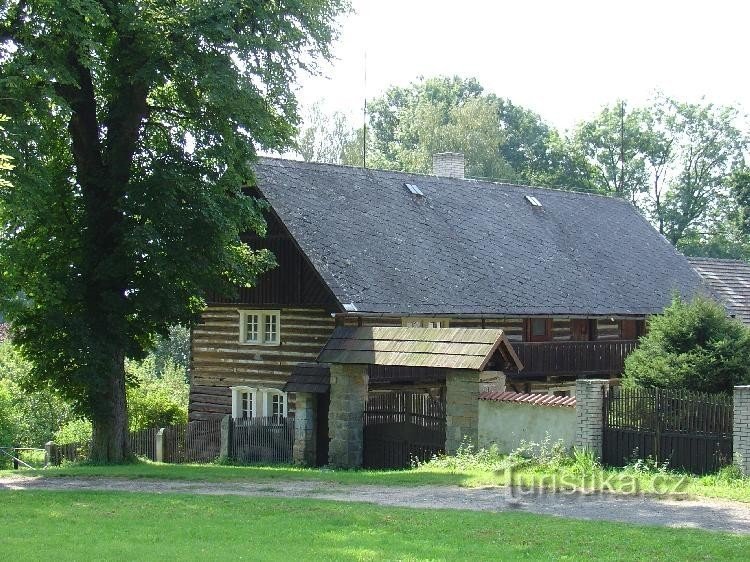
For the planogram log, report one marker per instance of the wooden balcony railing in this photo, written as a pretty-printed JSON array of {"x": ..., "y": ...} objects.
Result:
[{"x": 573, "y": 357}]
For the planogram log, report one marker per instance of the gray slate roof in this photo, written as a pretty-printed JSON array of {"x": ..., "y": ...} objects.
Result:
[
  {"x": 471, "y": 247},
  {"x": 730, "y": 282}
]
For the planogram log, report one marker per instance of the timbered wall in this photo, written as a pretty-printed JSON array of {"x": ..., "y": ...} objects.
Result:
[{"x": 220, "y": 361}]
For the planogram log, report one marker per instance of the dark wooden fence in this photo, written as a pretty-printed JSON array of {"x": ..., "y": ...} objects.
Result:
[
  {"x": 574, "y": 357},
  {"x": 400, "y": 427},
  {"x": 688, "y": 431},
  {"x": 262, "y": 440},
  {"x": 193, "y": 442},
  {"x": 143, "y": 443}
]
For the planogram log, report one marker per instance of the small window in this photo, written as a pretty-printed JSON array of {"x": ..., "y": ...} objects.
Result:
[
  {"x": 259, "y": 327},
  {"x": 538, "y": 329},
  {"x": 249, "y": 402},
  {"x": 424, "y": 322},
  {"x": 533, "y": 201}
]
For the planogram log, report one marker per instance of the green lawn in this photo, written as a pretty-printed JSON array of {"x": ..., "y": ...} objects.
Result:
[
  {"x": 134, "y": 526},
  {"x": 708, "y": 486}
]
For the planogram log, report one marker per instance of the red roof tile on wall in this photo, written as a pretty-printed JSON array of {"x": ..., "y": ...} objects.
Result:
[{"x": 534, "y": 399}]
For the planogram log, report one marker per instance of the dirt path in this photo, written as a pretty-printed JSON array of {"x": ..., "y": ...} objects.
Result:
[{"x": 701, "y": 514}]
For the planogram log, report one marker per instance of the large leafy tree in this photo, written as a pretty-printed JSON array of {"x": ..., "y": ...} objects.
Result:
[
  {"x": 501, "y": 140},
  {"x": 133, "y": 127}
]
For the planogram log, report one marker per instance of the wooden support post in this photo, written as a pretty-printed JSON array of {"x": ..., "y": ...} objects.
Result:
[
  {"x": 159, "y": 445},
  {"x": 14, "y": 453},
  {"x": 225, "y": 446}
]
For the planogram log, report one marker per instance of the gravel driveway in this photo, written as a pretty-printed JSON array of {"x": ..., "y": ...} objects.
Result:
[{"x": 700, "y": 514}]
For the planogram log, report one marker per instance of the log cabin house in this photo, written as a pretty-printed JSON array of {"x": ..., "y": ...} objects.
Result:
[{"x": 569, "y": 277}]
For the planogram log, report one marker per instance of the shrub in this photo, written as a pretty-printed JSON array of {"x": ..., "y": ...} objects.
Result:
[
  {"x": 692, "y": 346},
  {"x": 74, "y": 431},
  {"x": 36, "y": 415},
  {"x": 157, "y": 399}
]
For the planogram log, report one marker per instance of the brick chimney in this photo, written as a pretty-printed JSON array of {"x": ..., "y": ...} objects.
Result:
[{"x": 448, "y": 164}]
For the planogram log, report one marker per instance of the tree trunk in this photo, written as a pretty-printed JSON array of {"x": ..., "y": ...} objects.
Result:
[{"x": 110, "y": 418}]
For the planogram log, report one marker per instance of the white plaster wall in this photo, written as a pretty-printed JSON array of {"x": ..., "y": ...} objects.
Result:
[{"x": 507, "y": 424}]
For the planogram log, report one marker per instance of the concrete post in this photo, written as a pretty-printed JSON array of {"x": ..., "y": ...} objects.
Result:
[
  {"x": 225, "y": 443},
  {"x": 461, "y": 409},
  {"x": 589, "y": 417},
  {"x": 51, "y": 458},
  {"x": 159, "y": 445},
  {"x": 741, "y": 428},
  {"x": 348, "y": 398},
  {"x": 305, "y": 425}
]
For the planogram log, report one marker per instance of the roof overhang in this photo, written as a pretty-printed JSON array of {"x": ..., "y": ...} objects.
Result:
[{"x": 441, "y": 348}]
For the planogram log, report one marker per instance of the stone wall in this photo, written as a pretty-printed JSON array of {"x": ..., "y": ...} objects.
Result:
[
  {"x": 348, "y": 398},
  {"x": 589, "y": 423},
  {"x": 461, "y": 408}
]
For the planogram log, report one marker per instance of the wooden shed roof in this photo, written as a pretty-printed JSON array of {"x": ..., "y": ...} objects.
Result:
[{"x": 445, "y": 348}]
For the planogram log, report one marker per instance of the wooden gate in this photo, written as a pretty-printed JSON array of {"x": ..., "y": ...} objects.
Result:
[
  {"x": 688, "y": 431},
  {"x": 400, "y": 427}
]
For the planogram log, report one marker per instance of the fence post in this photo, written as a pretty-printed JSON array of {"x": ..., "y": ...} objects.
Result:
[
  {"x": 590, "y": 395},
  {"x": 225, "y": 445},
  {"x": 741, "y": 428},
  {"x": 159, "y": 445},
  {"x": 50, "y": 454}
]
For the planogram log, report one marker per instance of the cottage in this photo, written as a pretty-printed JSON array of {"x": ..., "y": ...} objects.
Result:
[{"x": 567, "y": 279}]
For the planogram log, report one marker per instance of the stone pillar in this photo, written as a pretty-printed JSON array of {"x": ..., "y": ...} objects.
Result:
[
  {"x": 348, "y": 398},
  {"x": 305, "y": 425},
  {"x": 225, "y": 443},
  {"x": 741, "y": 428},
  {"x": 589, "y": 417},
  {"x": 461, "y": 409}
]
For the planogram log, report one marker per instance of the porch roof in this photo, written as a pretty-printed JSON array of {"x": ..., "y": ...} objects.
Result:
[{"x": 443, "y": 348}]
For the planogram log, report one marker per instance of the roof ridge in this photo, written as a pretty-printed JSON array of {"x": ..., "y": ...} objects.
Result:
[{"x": 483, "y": 181}]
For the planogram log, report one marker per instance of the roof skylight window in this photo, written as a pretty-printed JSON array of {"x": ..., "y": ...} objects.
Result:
[
  {"x": 533, "y": 201},
  {"x": 414, "y": 190}
]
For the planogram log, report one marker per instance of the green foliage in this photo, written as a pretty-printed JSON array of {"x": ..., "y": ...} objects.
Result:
[
  {"x": 500, "y": 140},
  {"x": 173, "y": 348},
  {"x": 692, "y": 346},
  {"x": 75, "y": 431},
  {"x": 160, "y": 397},
  {"x": 35, "y": 413}
]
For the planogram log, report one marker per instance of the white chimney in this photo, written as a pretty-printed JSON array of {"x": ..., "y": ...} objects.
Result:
[{"x": 448, "y": 164}]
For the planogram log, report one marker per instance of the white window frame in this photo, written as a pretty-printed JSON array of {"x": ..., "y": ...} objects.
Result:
[
  {"x": 237, "y": 392},
  {"x": 262, "y": 401},
  {"x": 263, "y": 317},
  {"x": 417, "y": 322}
]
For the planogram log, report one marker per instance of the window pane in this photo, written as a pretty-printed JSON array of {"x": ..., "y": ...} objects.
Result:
[
  {"x": 246, "y": 405},
  {"x": 277, "y": 407},
  {"x": 539, "y": 327},
  {"x": 251, "y": 327},
  {"x": 271, "y": 329}
]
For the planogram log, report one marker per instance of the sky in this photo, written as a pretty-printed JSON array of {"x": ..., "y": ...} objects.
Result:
[{"x": 561, "y": 59}]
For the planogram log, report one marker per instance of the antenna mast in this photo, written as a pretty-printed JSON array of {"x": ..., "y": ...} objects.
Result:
[
  {"x": 622, "y": 147},
  {"x": 364, "y": 118}
]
